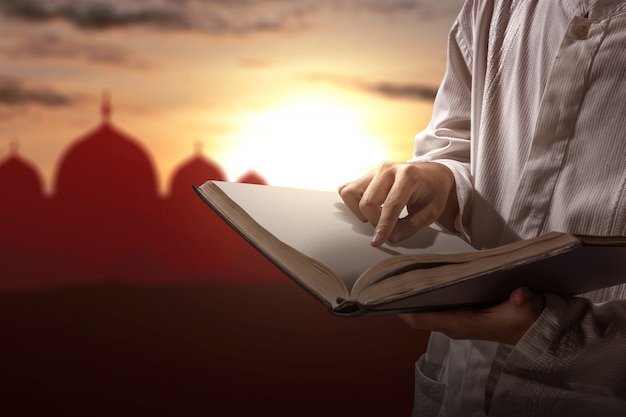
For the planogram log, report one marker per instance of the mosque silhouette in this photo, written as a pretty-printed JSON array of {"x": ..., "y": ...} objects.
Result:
[{"x": 106, "y": 222}]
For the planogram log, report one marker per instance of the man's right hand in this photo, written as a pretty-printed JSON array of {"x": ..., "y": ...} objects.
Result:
[{"x": 426, "y": 189}]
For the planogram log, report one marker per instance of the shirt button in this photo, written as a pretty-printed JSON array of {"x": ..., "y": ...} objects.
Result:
[{"x": 581, "y": 31}]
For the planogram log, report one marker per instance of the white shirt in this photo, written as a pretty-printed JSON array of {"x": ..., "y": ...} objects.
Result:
[{"x": 531, "y": 119}]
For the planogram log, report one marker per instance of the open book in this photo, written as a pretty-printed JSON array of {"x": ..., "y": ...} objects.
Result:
[{"x": 315, "y": 239}]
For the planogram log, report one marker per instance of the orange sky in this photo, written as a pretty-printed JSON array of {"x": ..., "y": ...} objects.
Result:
[{"x": 309, "y": 93}]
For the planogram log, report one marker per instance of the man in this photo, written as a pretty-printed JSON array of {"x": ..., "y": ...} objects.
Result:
[{"x": 528, "y": 135}]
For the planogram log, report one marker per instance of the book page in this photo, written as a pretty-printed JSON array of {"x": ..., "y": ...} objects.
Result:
[{"x": 318, "y": 224}]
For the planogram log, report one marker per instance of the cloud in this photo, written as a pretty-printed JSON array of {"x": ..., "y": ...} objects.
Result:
[
  {"x": 386, "y": 89},
  {"x": 93, "y": 14},
  {"x": 15, "y": 93},
  {"x": 401, "y": 91},
  {"x": 216, "y": 17},
  {"x": 377, "y": 6},
  {"x": 255, "y": 63},
  {"x": 48, "y": 45}
]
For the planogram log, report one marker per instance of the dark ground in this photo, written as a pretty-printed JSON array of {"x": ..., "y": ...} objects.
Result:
[{"x": 199, "y": 350}]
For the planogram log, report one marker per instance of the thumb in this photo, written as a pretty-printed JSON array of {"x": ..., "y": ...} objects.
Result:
[
  {"x": 521, "y": 297},
  {"x": 524, "y": 298}
]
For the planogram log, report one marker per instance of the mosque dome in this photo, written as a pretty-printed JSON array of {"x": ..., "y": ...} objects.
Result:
[
  {"x": 195, "y": 171},
  {"x": 18, "y": 178},
  {"x": 252, "y": 177},
  {"x": 106, "y": 164}
]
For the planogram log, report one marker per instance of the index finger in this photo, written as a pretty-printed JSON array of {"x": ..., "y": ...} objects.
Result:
[{"x": 397, "y": 198}]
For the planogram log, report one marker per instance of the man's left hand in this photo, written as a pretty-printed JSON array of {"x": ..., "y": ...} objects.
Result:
[{"x": 505, "y": 323}]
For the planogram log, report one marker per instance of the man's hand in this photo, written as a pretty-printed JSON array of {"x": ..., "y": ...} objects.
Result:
[
  {"x": 428, "y": 192},
  {"x": 426, "y": 189},
  {"x": 505, "y": 323}
]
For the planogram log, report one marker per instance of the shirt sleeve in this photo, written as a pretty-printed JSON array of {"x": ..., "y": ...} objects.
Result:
[
  {"x": 570, "y": 362},
  {"x": 446, "y": 139}
]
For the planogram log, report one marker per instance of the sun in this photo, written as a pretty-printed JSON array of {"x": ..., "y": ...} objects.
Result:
[{"x": 316, "y": 144}]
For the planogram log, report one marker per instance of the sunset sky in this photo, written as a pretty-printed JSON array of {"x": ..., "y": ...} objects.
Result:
[{"x": 308, "y": 93}]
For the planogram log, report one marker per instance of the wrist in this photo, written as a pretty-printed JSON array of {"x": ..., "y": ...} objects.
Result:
[{"x": 448, "y": 216}]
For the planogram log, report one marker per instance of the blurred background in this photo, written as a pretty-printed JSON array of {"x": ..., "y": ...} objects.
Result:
[{"x": 120, "y": 292}]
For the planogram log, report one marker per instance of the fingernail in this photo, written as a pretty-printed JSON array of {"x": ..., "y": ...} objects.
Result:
[{"x": 377, "y": 238}]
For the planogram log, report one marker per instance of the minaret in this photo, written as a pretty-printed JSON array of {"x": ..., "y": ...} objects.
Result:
[
  {"x": 105, "y": 107},
  {"x": 14, "y": 147}
]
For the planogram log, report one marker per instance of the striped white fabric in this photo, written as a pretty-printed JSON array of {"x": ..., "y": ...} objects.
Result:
[{"x": 531, "y": 119}]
